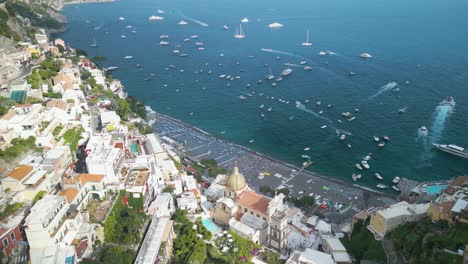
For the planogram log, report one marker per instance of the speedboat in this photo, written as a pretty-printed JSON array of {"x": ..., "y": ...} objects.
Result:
[
  {"x": 159, "y": 11},
  {"x": 422, "y": 131},
  {"x": 349, "y": 145},
  {"x": 305, "y": 156},
  {"x": 163, "y": 43},
  {"x": 365, "y": 164},
  {"x": 269, "y": 109},
  {"x": 449, "y": 101},
  {"x": 306, "y": 148},
  {"x": 262, "y": 106},
  {"x": 128, "y": 57},
  {"x": 381, "y": 145},
  {"x": 351, "y": 73},
  {"x": 354, "y": 177},
  {"x": 324, "y": 126},
  {"x": 367, "y": 157},
  {"x": 358, "y": 166},
  {"x": 402, "y": 110},
  {"x": 318, "y": 103},
  {"x": 262, "y": 115},
  {"x": 303, "y": 63},
  {"x": 322, "y": 53},
  {"x": 155, "y": 18},
  {"x": 123, "y": 36},
  {"x": 183, "y": 23},
  {"x": 386, "y": 138},
  {"x": 121, "y": 18},
  {"x": 194, "y": 36},
  {"x": 376, "y": 139},
  {"x": 307, "y": 68},
  {"x": 251, "y": 141},
  {"x": 365, "y": 56},
  {"x": 286, "y": 72},
  {"x": 275, "y": 25},
  {"x": 343, "y": 137},
  {"x": 378, "y": 176},
  {"x": 163, "y": 36},
  {"x": 396, "y": 180},
  {"x": 225, "y": 27},
  {"x": 382, "y": 186},
  {"x": 394, "y": 187},
  {"x": 242, "y": 97},
  {"x": 244, "y": 20}
]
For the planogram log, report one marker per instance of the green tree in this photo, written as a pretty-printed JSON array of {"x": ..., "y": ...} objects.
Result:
[
  {"x": 109, "y": 228},
  {"x": 38, "y": 196},
  {"x": 124, "y": 109},
  {"x": 117, "y": 255}
]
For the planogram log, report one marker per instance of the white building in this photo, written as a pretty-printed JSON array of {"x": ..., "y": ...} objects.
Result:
[
  {"x": 187, "y": 202},
  {"x": 163, "y": 205},
  {"x": 23, "y": 118},
  {"x": 310, "y": 256},
  {"x": 157, "y": 244},
  {"x": 334, "y": 247}
]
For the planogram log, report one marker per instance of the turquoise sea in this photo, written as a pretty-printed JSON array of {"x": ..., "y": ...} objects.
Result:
[{"x": 424, "y": 43}]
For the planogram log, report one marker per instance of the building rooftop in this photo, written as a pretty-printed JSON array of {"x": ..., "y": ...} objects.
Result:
[
  {"x": 58, "y": 103},
  {"x": 35, "y": 177},
  {"x": 44, "y": 209},
  {"x": 460, "y": 205},
  {"x": 20, "y": 172},
  {"x": 253, "y": 200},
  {"x": 311, "y": 256},
  {"x": 240, "y": 227},
  {"x": 335, "y": 244},
  {"x": 403, "y": 208},
  {"x": 228, "y": 202},
  {"x": 56, "y": 153},
  {"x": 69, "y": 194},
  {"x": 84, "y": 178},
  {"x": 157, "y": 233}
]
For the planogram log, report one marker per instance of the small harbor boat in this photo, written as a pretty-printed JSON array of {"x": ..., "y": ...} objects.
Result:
[
  {"x": 395, "y": 188},
  {"x": 322, "y": 53},
  {"x": 155, "y": 18},
  {"x": 324, "y": 126},
  {"x": 354, "y": 177},
  {"x": 307, "y": 43},
  {"x": 286, "y": 72},
  {"x": 123, "y": 36},
  {"x": 365, "y": 56},
  {"x": 121, "y": 18},
  {"x": 262, "y": 106},
  {"x": 275, "y": 25},
  {"x": 358, "y": 166},
  {"x": 376, "y": 139},
  {"x": 239, "y": 33},
  {"x": 269, "y": 109},
  {"x": 365, "y": 164},
  {"x": 396, "y": 180},
  {"x": 251, "y": 141},
  {"x": 382, "y": 186},
  {"x": 183, "y": 23},
  {"x": 367, "y": 157},
  {"x": 422, "y": 131},
  {"x": 244, "y": 20},
  {"x": 163, "y": 36},
  {"x": 307, "y": 68},
  {"x": 128, "y": 57},
  {"x": 262, "y": 115},
  {"x": 163, "y": 43},
  {"x": 242, "y": 97},
  {"x": 349, "y": 145},
  {"x": 381, "y": 144},
  {"x": 225, "y": 27},
  {"x": 386, "y": 138},
  {"x": 305, "y": 156},
  {"x": 306, "y": 148},
  {"x": 342, "y": 137},
  {"x": 351, "y": 73},
  {"x": 378, "y": 176},
  {"x": 159, "y": 11}
]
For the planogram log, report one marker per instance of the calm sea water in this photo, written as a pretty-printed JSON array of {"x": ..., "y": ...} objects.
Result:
[{"x": 422, "y": 42}]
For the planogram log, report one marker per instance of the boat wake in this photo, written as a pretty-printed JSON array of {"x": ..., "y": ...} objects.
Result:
[
  {"x": 303, "y": 108},
  {"x": 384, "y": 89},
  {"x": 201, "y": 23},
  {"x": 293, "y": 65},
  {"x": 284, "y": 53},
  {"x": 441, "y": 113}
]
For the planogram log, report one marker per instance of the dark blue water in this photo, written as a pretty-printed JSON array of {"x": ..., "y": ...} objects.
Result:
[{"x": 422, "y": 42}]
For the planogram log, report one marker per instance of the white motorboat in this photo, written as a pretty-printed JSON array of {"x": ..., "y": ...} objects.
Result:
[
  {"x": 303, "y": 63},
  {"x": 422, "y": 131},
  {"x": 262, "y": 106},
  {"x": 269, "y": 109},
  {"x": 94, "y": 45},
  {"x": 121, "y": 18},
  {"x": 324, "y": 126},
  {"x": 225, "y": 27},
  {"x": 251, "y": 141},
  {"x": 163, "y": 43},
  {"x": 394, "y": 187},
  {"x": 163, "y": 36},
  {"x": 354, "y": 177},
  {"x": 367, "y": 157},
  {"x": 155, "y": 18},
  {"x": 275, "y": 25},
  {"x": 242, "y": 97},
  {"x": 307, "y": 68},
  {"x": 386, "y": 138},
  {"x": 123, "y": 36},
  {"x": 382, "y": 186},
  {"x": 128, "y": 57},
  {"x": 343, "y": 137},
  {"x": 244, "y": 20},
  {"x": 159, "y": 11},
  {"x": 365, "y": 164},
  {"x": 183, "y": 23},
  {"x": 239, "y": 33},
  {"x": 396, "y": 180},
  {"x": 262, "y": 115},
  {"x": 194, "y": 36},
  {"x": 318, "y": 103},
  {"x": 349, "y": 145},
  {"x": 378, "y": 176},
  {"x": 305, "y": 156},
  {"x": 358, "y": 166},
  {"x": 382, "y": 144},
  {"x": 365, "y": 56},
  {"x": 306, "y": 148},
  {"x": 307, "y": 43},
  {"x": 322, "y": 53},
  {"x": 286, "y": 72},
  {"x": 376, "y": 139}
]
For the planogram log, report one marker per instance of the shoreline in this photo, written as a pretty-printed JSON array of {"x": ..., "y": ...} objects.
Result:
[
  {"x": 77, "y": 2},
  {"x": 278, "y": 161}
]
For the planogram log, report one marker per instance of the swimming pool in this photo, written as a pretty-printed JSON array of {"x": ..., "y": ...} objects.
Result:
[
  {"x": 435, "y": 189},
  {"x": 211, "y": 226},
  {"x": 134, "y": 148}
]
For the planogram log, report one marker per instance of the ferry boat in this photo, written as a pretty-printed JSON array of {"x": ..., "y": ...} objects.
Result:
[{"x": 452, "y": 149}]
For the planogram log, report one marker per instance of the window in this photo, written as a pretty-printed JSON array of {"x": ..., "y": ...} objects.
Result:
[
  {"x": 245, "y": 210},
  {"x": 258, "y": 215},
  {"x": 12, "y": 235},
  {"x": 5, "y": 242}
]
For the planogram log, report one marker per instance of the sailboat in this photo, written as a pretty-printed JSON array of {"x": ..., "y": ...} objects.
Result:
[
  {"x": 239, "y": 33},
  {"x": 307, "y": 43},
  {"x": 94, "y": 44}
]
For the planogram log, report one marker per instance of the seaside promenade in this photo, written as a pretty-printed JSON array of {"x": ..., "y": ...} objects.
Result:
[{"x": 196, "y": 144}]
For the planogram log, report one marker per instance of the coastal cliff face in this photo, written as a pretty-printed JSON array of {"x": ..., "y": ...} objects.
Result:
[{"x": 21, "y": 19}]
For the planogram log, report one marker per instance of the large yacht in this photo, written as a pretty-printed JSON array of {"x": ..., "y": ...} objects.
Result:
[{"x": 452, "y": 149}]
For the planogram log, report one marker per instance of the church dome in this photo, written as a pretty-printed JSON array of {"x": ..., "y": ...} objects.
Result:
[{"x": 236, "y": 180}]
